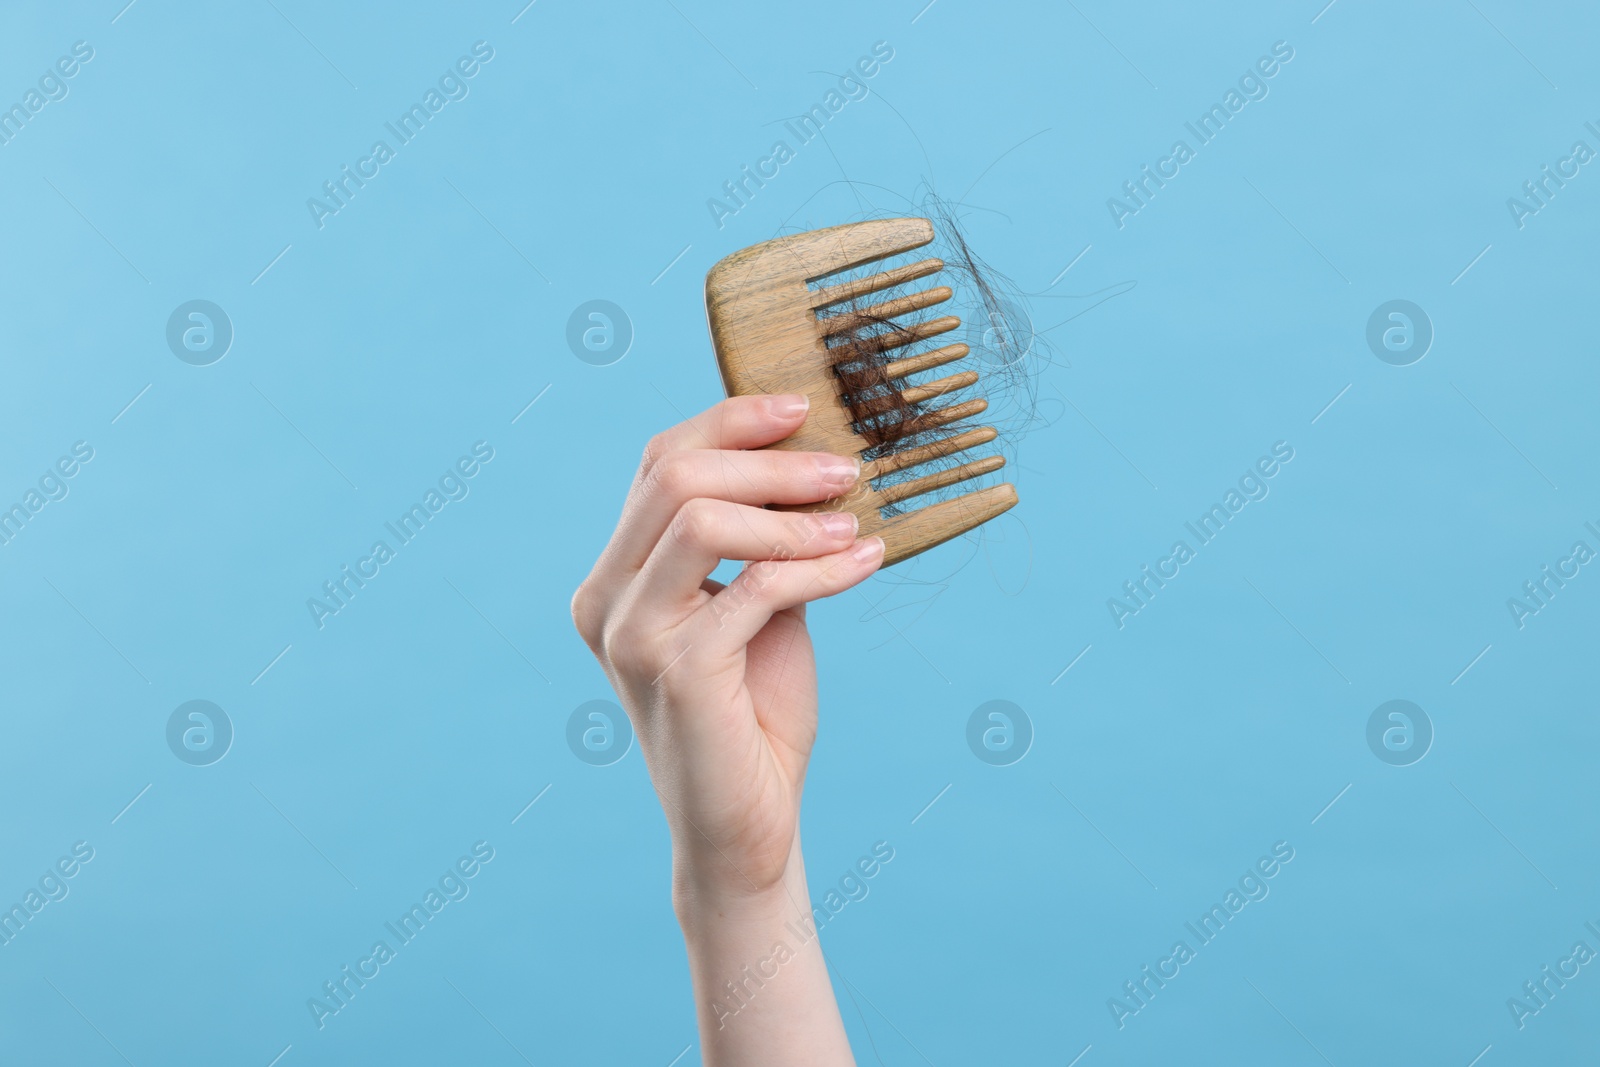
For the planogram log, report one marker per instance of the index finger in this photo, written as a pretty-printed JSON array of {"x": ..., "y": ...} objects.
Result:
[{"x": 737, "y": 422}]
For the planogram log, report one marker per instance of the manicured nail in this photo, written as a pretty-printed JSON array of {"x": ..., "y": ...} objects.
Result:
[
  {"x": 789, "y": 405},
  {"x": 867, "y": 550},
  {"x": 838, "y": 523},
  {"x": 838, "y": 470}
]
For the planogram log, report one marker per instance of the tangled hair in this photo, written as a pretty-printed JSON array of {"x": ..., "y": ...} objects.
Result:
[{"x": 888, "y": 412}]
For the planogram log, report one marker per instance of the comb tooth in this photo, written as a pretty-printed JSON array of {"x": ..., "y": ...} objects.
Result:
[
  {"x": 918, "y": 393},
  {"x": 840, "y": 248},
  {"x": 906, "y": 535},
  {"x": 910, "y": 335},
  {"x": 945, "y": 446},
  {"x": 939, "y": 479},
  {"x": 837, "y": 294},
  {"x": 937, "y": 357},
  {"x": 953, "y": 413},
  {"x": 889, "y": 309}
]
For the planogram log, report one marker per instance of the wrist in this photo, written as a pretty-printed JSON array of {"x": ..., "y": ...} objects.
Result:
[{"x": 710, "y": 892}]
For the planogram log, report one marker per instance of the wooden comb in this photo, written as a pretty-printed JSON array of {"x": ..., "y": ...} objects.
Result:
[{"x": 770, "y": 338}]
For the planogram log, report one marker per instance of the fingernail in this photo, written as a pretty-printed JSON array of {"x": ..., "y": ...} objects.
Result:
[
  {"x": 869, "y": 549},
  {"x": 789, "y": 405},
  {"x": 840, "y": 471},
  {"x": 838, "y": 523}
]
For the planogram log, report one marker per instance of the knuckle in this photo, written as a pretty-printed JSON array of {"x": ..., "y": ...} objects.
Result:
[
  {"x": 714, "y": 420},
  {"x": 623, "y": 647},
  {"x": 807, "y": 529},
  {"x": 820, "y": 583},
  {"x": 698, "y": 523},
  {"x": 671, "y": 475},
  {"x": 811, "y": 470},
  {"x": 635, "y": 651},
  {"x": 654, "y": 449},
  {"x": 762, "y": 579},
  {"x": 586, "y": 615}
]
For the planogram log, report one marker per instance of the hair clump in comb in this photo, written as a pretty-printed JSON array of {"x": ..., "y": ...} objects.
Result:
[{"x": 880, "y": 355}]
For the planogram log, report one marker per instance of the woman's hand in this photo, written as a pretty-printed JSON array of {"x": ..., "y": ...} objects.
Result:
[{"x": 721, "y": 687}]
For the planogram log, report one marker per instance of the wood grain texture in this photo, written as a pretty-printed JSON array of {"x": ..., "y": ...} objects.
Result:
[{"x": 768, "y": 338}]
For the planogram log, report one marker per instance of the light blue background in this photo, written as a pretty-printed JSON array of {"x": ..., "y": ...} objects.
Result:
[{"x": 427, "y": 314}]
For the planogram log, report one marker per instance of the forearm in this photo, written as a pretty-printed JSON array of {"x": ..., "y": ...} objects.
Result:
[{"x": 762, "y": 992}]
